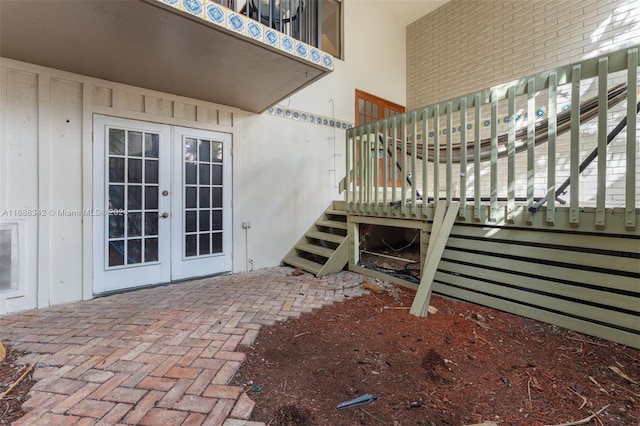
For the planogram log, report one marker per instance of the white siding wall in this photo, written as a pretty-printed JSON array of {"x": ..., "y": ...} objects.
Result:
[{"x": 46, "y": 165}]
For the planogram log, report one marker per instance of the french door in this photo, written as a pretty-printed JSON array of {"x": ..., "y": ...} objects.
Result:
[{"x": 162, "y": 203}]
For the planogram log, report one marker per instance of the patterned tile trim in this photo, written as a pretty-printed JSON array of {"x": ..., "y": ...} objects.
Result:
[
  {"x": 240, "y": 24},
  {"x": 502, "y": 122},
  {"x": 294, "y": 114}
]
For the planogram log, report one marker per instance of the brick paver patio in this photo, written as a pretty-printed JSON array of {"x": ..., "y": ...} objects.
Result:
[{"x": 159, "y": 356}]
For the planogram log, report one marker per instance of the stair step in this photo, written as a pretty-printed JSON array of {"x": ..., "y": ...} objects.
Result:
[
  {"x": 332, "y": 224},
  {"x": 340, "y": 205},
  {"x": 333, "y": 212},
  {"x": 325, "y": 236},
  {"x": 305, "y": 264},
  {"x": 315, "y": 249}
]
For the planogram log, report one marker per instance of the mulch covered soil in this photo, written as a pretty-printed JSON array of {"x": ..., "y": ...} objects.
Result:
[
  {"x": 18, "y": 378},
  {"x": 465, "y": 364}
]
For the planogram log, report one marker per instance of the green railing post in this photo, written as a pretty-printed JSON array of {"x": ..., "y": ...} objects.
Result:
[
  {"x": 574, "y": 159},
  {"x": 632, "y": 141}
]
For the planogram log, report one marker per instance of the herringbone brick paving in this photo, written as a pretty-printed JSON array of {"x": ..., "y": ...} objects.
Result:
[{"x": 159, "y": 356}]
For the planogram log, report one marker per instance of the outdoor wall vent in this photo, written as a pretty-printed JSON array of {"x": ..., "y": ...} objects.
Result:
[{"x": 8, "y": 257}]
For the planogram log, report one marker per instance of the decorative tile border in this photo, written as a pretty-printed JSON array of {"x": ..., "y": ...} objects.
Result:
[
  {"x": 219, "y": 15},
  {"x": 540, "y": 113},
  {"x": 294, "y": 114}
]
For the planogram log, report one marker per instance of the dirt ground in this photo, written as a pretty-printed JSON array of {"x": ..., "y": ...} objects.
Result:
[{"x": 465, "y": 364}]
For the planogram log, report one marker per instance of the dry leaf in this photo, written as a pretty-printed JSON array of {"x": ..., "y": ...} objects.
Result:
[
  {"x": 621, "y": 374},
  {"x": 3, "y": 352},
  {"x": 374, "y": 288}
]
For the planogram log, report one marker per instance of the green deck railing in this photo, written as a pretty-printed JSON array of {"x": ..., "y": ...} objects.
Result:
[{"x": 508, "y": 148}]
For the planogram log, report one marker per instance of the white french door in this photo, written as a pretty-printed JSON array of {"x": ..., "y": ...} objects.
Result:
[
  {"x": 162, "y": 203},
  {"x": 201, "y": 212}
]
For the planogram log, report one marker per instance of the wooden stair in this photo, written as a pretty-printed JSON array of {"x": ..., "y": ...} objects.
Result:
[{"x": 322, "y": 250}]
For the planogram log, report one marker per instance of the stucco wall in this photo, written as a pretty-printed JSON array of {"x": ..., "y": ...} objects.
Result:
[{"x": 289, "y": 179}]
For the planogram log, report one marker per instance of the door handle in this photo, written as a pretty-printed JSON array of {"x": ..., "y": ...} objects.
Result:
[{"x": 164, "y": 215}]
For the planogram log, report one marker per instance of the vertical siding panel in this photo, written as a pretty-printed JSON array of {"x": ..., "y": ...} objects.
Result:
[
  {"x": 87, "y": 190},
  {"x": 4, "y": 154},
  {"x": 44, "y": 191}
]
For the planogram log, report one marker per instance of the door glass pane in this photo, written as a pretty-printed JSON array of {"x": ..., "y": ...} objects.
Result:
[
  {"x": 151, "y": 224},
  {"x": 151, "y": 249},
  {"x": 134, "y": 251},
  {"x": 135, "y": 144},
  {"x": 205, "y": 220},
  {"x": 216, "y": 174},
  {"x": 191, "y": 173},
  {"x": 116, "y": 253},
  {"x": 116, "y": 142},
  {"x": 151, "y": 145},
  {"x": 204, "y": 151},
  {"x": 134, "y": 197},
  {"x": 205, "y": 176},
  {"x": 134, "y": 224},
  {"x": 116, "y": 197},
  {"x": 216, "y": 242},
  {"x": 116, "y": 170},
  {"x": 134, "y": 173},
  {"x": 216, "y": 196},
  {"x": 151, "y": 197},
  {"x": 216, "y": 220},
  {"x": 202, "y": 194},
  {"x": 191, "y": 221},
  {"x": 134, "y": 176},
  {"x": 116, "y": 226},
  {"x": 190, "y": 149},
  {"x": 205, "y": 198},
  {"x": 191, "y": 197},
  {"x": 151, "y": 171},
  {"x": 191, "y": 245},
  {"x": 217, "y": 152},
  {"x": 204, "y": 244}
]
